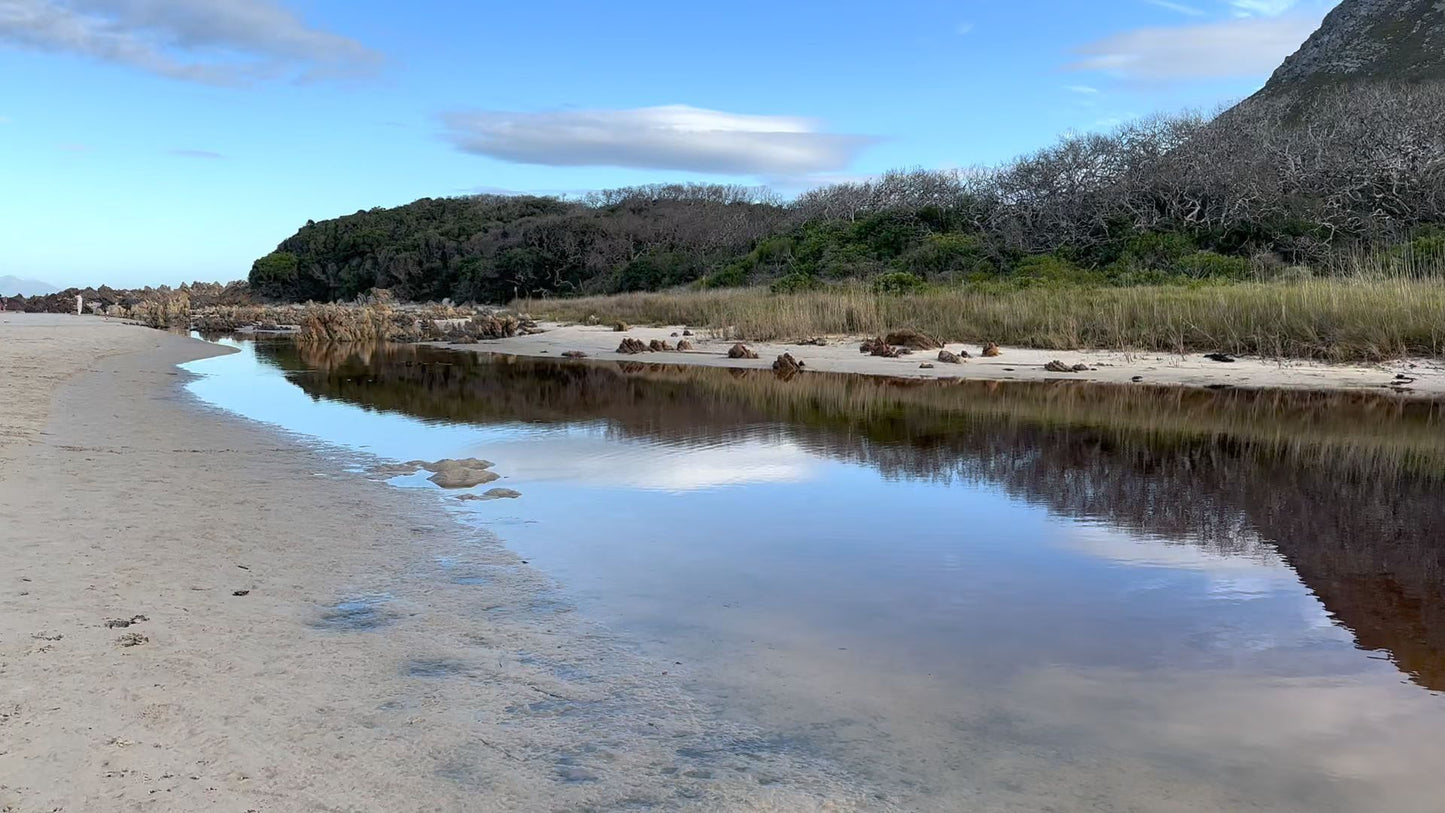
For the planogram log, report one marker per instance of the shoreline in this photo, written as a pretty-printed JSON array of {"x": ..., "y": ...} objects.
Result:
[
  {"x": 286, "y": 632},
  {"x": 1426, "y": 377}
]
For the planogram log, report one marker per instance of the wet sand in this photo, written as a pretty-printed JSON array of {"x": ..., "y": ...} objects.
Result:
[
  {"x": 286, "y": 635},
  {"x": 1426, "y": 377}
]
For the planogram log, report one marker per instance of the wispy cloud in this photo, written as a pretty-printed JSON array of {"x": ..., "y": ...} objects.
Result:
[
  {"x": 1082, "y": 90},
  {"x": 669, "y": 137},
  {"x": 965, "y": 28},
  {"x": 1267, "y": 8},
  {"x": 183, "y": 153},
  {"x": 215, "y": 41},
  {"x": 1242, "y": 47},
  {"x": 1177, "y": 7}
]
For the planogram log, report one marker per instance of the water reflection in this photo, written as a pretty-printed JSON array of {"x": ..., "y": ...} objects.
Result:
[
  {"x": 967, "y": 586},
  {"x": 1344, "y": 488}
]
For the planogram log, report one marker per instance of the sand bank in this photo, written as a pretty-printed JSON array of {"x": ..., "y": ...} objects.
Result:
[
  {"x": 199, "y": 613},
  {"x": 1421, "y": 377}
]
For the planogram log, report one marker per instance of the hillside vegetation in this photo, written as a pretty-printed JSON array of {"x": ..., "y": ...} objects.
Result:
[{"x": 1357, "y": 184}]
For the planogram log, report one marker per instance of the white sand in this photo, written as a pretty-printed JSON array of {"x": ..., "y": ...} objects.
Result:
[
  {"x": 122, "y": 496},
  {"x": 1015, "y": 364}
]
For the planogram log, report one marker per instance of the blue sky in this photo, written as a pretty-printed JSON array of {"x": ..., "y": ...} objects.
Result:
[{"x": 156, "y": 141}]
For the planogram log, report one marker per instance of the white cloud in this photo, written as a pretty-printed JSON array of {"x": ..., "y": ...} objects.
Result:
[
  {"x": 669, "y": 137},
  {"x": 1243, "y": 47},
  {"x": 1082, "y": 90},
  {"x": 965, "y": 28},
  {"x": 215, "y": 41}
]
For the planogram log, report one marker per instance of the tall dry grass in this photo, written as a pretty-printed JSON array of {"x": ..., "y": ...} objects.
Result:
[{"x": 1358, "y": 318}]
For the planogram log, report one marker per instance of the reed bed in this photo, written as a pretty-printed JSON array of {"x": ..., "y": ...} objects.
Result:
[{"x": 1359, "y": 318}]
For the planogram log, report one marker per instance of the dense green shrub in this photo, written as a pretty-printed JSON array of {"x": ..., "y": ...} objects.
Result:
[
  {"x": 794, "y": 283},
  {"x": 896, "y": 282}
]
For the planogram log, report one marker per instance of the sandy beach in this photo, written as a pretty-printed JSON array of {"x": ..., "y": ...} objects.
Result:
[
  {"x": 200, "y": 613},
  {"x": 1423, "y": 378}
]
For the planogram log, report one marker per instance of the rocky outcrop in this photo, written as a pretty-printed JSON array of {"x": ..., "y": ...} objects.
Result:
[
  {"x": 1374, "y": 41},
  {"x": 631, "y": 347}
]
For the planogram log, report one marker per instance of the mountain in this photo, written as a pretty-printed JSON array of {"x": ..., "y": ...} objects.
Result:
[
  {"x": 1367, "y": 41},
  {"x": 15, "y": 286}
]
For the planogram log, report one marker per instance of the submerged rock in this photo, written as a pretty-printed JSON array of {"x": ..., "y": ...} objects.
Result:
[
  {"x": 574, "y": 354},
  {"x": 491, "y": 494},
  {"x": 388, "y": 470}
]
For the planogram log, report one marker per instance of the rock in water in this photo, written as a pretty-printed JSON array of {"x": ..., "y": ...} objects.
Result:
[
  {"x": 467, "y": 473},
  {"x": 632, "y": 347},
  {"x": 659, "y": 346},
  {"x": 684, "y": 346},
  {"x": 949, "y": 358},
  {"x": 786, "y": 366},
  {"x": 912, "y": 339},
  {"x": 574, "y": 354},
  {"x": 991, "y": 350},
  {"x": 1057, "y": 366},
  {"x": 741, "y": 351}
]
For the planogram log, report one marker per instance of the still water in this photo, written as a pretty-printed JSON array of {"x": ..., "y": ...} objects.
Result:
[{"x": 977, "y": 596}]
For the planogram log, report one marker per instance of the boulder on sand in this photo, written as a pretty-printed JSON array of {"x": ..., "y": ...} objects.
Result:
[
  {"x": 741, "y": 351},
  {"x": 991, "y": 350},
  {"x": 684, "y": 346},
  {"x": 631, "y": 347},
  {"x": 1057, "y": 366},
  {"x": 949, "y": 358},
  {"x": 659, "y": 346},
  {"x": 912, "y": 339},
  {"x": 882, "y": 349}
]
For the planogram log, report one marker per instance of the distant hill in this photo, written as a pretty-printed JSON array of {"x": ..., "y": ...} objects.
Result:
[
  {"x": 1369, "y": 41},
  {"x": 15, "y": 286}
]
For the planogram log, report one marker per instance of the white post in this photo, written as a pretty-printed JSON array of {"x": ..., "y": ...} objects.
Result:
[{"x": 78, "y": 302}]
